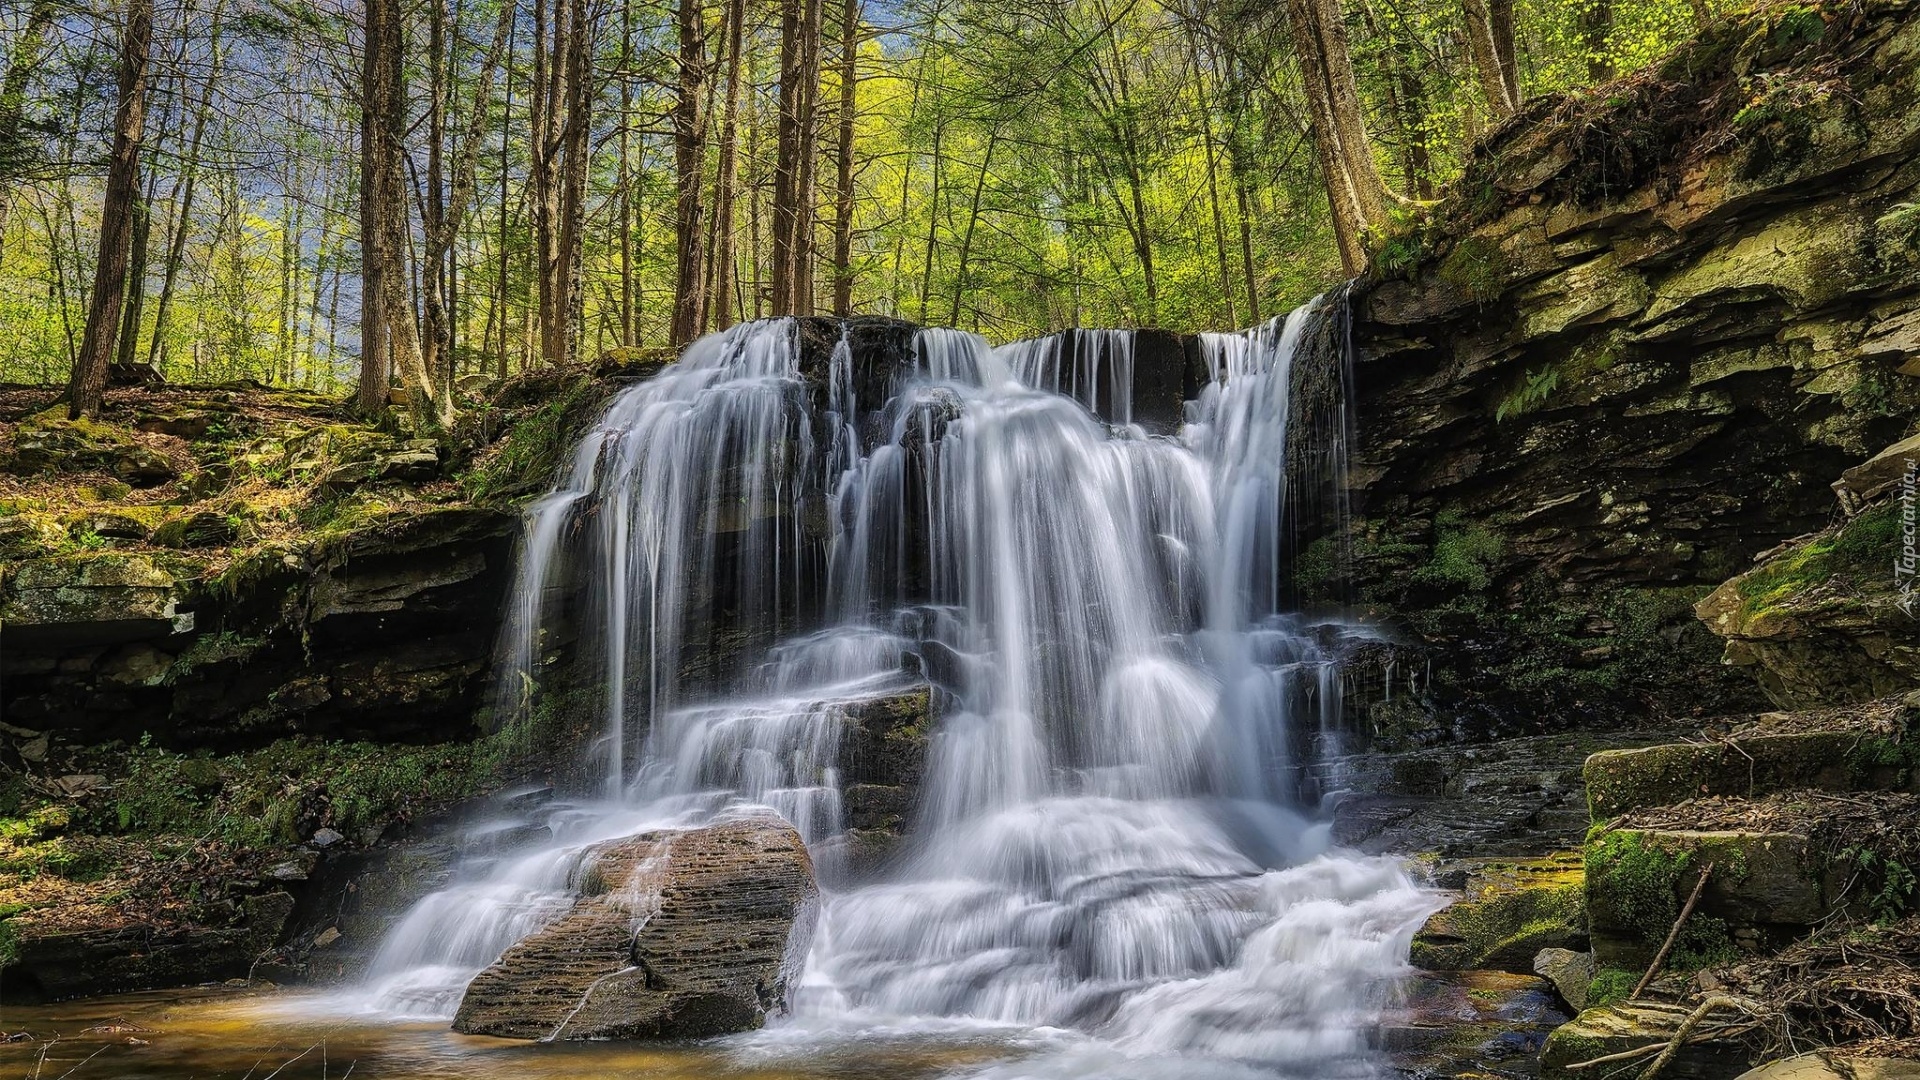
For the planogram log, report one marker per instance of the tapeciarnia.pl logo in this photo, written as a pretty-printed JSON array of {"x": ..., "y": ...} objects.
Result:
[{"x": 1907, "y": 563}]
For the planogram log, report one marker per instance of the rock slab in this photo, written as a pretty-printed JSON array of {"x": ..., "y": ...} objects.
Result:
[{"x": 675, "y": 935}]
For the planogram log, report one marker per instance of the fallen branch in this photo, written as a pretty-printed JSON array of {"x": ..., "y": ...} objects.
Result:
[
  {"x": 1711, "y": 1002},
  {"x": 1673, "y": 935}
]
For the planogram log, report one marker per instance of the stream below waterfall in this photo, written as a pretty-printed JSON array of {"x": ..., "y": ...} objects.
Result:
[{"x": 1107, "y": 874}]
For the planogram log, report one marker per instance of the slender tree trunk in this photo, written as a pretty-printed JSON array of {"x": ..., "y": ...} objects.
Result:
[
  {"x": 87, "y": 389},
  {"x": 727, "y": 175},
  {"x": 1214, "y": 154},
  {"x": 129, "y": 335},
  {"x": 561, "y": 136},
  {"x": 1490, "y": 39},
  {"x": 973, "y": 217},
  {"x": 1596, "y": 26},
  {"x": 181, "y": 196},
  {"x": 843, "y": 151},
  {"x": 795, "y": 150},
  {"x": 1355, "y": 192},
  {"x": 623, "y": 183},
  {"x": 806, "y": 212},
  {"x": 381, "y": 43},
  {"x": 689, "y": 166},
  {"x": 506, "y": 136}
]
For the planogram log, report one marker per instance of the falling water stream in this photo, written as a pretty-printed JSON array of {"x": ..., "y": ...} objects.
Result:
[{"x": 1106, "y": 877}]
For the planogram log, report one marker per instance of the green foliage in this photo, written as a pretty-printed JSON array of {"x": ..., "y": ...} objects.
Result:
[
  {"x": 1639, "y": 883},
  {"x": 282, "y": 792},
  {"x": 1532, "y": 392},
  {"x": 1610, "y": 985},
  {"x": 1465, "y": 554},
  {"x": 1887, "y": 884}
]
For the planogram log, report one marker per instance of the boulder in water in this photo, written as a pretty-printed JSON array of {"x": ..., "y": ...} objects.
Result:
[{"x": 675, "y": 935}]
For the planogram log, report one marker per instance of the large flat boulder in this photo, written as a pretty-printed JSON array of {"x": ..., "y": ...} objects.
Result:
[{"x": 675, "y": 935}]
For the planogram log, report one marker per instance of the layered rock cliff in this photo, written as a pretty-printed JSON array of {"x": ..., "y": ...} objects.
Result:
[{"x": 1633, "y": 348}]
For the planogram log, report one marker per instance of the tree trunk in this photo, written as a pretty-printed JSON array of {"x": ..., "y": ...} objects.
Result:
[
  {"x": 129, "y": 339},
  {"x": 727, "y": 174},
  {"x": 22, "y": 59},
  {"x": 1596, "y": 26},
  {"x": 1490, "y": 40},
  {"x": 561, "y": 141},
  {"x": 1355, "y": 193},
  {"x": 843, "y": 152},
  {"x": 87, "y": 389},
  {"x": 973, "y": 218},
  {"x": 795, "y": 150},
  {"x": 689, "y": 165},
  {"x": 379, "y": 68}
]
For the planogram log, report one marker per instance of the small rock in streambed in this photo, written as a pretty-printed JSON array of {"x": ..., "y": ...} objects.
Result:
[
  {"x": 326, "y": 838},
  {"x": 1570, "y": 973}
]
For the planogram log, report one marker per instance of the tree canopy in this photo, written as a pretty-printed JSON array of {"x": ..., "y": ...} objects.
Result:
[{"x": 474, "y": 187}]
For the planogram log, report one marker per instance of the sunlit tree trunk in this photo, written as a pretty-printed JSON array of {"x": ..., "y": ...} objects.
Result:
[
  {"x": 87, "y": 388},
  {"x": 843, "y": 153},
  {"x": 720, "y": 287},
  {"x": 1355, "y": 193},
  {"x": 561, "y": 133},
  {"x": 1490, "y": 40},
  {"x": 689, "y": 166}
]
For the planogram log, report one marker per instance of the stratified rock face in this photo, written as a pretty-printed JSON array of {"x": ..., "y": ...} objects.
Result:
[
  {"x": 1637, "y": 348},
  {"x": 387, "y": 635},
  {"x": 676, "y": 935}
]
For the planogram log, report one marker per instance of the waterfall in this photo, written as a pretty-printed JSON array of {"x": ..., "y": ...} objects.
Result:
[{"x": 1103, "y": 843}]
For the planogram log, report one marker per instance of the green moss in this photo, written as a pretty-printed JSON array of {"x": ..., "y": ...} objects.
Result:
[
  {"x": 536, "y": 445},
  {"x": 1610, "y": 985},
  {"x": 1637, "y": 883},
  {"x": 282, "y": 792},
  {"x": 1858, "y": 548},
  {"x": 1477, "y": 267},
  {"x": 1465, "y": 554}
]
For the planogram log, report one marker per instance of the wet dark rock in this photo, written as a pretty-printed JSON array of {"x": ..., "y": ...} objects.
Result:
[
  {"x": 1469, "y": 1024},
  {"x": 54, "y": 962},
  {"x": 389, "y": 636},
  {"x": 717, "y": 908}
]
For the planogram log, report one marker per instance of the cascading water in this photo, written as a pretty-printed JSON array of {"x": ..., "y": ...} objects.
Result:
[{"x": 1102, "y": 845}]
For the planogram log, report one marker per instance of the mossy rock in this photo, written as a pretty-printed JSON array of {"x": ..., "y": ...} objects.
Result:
[
  {"x": 1510, "y": 911},
  {"x": 1622, "y": 780},
  {"x": 1616, "y": 1029},
  {"x": 49, "y": 442},
  {"x": 1765, "y": 887}
]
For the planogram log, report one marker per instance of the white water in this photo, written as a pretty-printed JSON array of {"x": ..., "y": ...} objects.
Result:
[{"x": 1102, "y": 852}]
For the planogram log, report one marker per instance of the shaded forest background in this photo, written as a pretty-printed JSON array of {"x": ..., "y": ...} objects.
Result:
[{"x": 231, "y": 189}]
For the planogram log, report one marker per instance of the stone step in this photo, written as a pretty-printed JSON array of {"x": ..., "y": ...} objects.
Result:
[
  {"x": 1464, "y": 1025},
  {"x": 1780, "y": 865},
  {"x": 1856, "y": 748}
]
